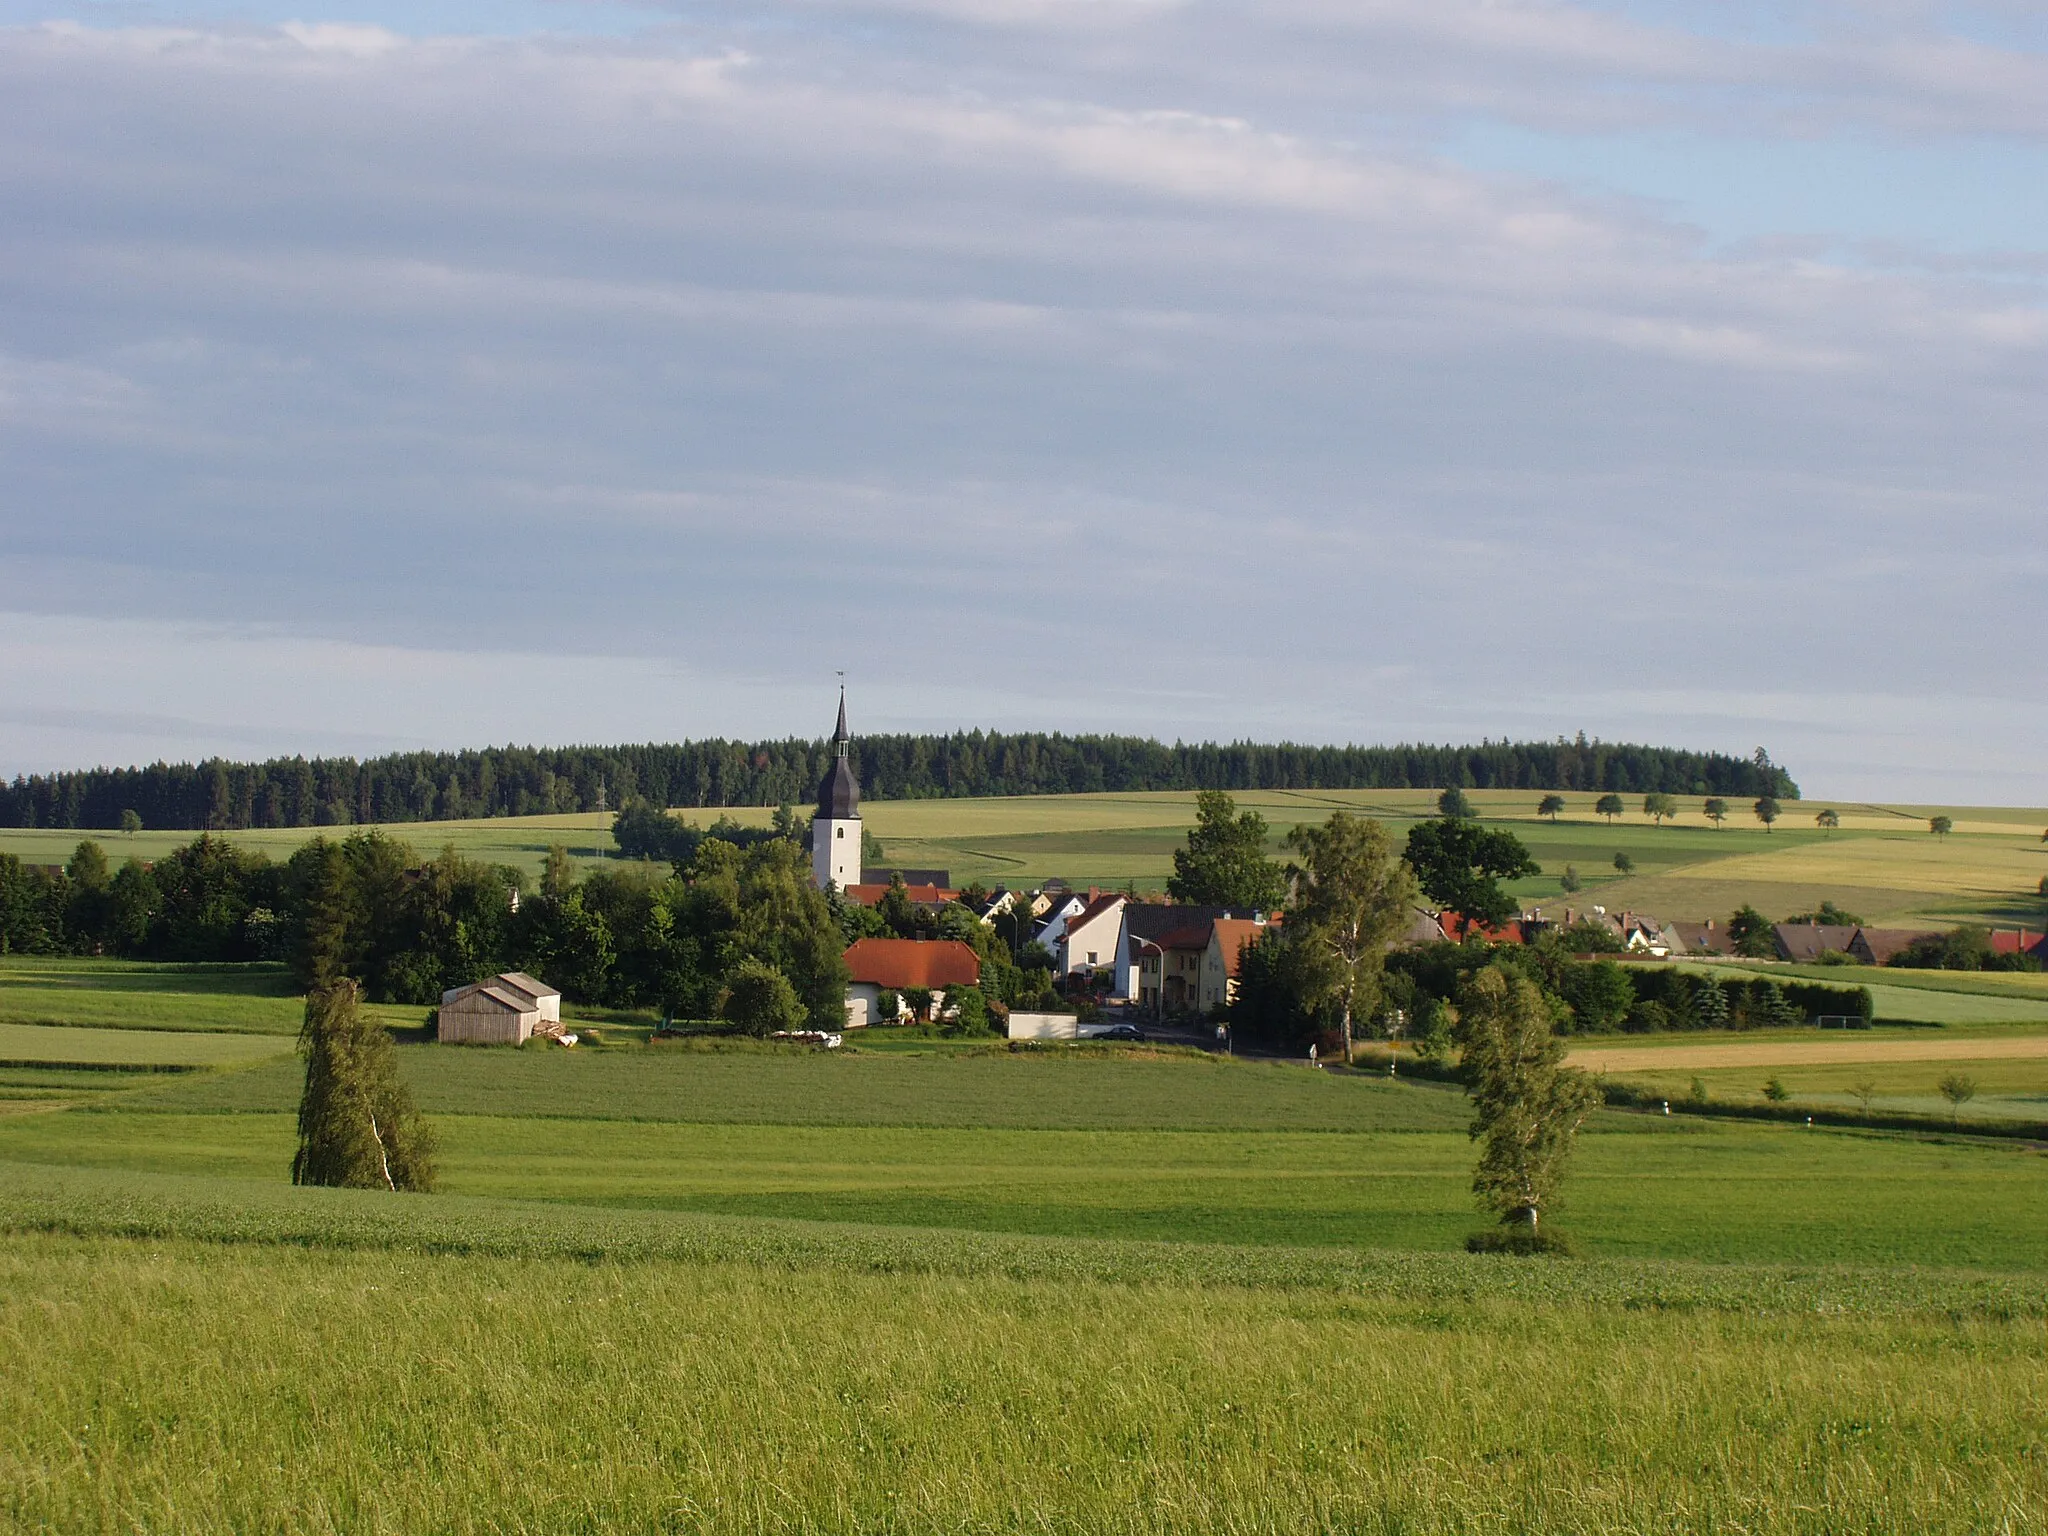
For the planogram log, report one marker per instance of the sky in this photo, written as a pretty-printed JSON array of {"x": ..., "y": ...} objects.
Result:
[{"x": 377, "y": 375}]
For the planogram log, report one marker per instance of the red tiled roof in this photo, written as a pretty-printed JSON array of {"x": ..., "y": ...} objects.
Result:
[
  {"x": 921, "y": 895},
  {"x": 2020, "y": 941},
  {"x": 1233, "y": 933},
  {"x": 1456, "y": 928},
  {"x": 900, "y": 963}
]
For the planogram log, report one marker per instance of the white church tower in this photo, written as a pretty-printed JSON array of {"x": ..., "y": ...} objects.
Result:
[{"x": 835, "y": 830}]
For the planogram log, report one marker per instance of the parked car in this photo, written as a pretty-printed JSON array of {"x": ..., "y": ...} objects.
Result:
[{"x": 1120, "y": 1032}]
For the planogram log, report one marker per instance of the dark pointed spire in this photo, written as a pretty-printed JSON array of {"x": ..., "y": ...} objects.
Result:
[{"x": 839, "y": 736}]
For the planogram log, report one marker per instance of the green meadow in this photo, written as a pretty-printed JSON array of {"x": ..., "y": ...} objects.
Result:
[{"x": 942, "y": 1289}]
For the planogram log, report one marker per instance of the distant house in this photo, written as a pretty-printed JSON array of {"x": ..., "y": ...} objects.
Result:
[
  {"x": 869, "y": 895},
  {"x": 507, "y": 1009},
  {"x": 1805, "y": 943},
  {"x": 998, "y": 904},
  {"x": 1088, "y": 938},
  {"x": 1876, "y": 946},
  {"x": 1423, "y": 928},
  {"x": 1698, "y": 938},
  {"x": 1228, "y": 937},
  {"x": 1145, "y": 925},
  {"x": 2016, "y": 941},
  {"x": 875, "y": 966},
  {"x": 1457, "y": 929},
  {"x": 1062, "y": 907},
  {"x": 1644, "y": 935}
]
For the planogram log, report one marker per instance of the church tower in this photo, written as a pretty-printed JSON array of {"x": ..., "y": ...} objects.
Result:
[{"x": 835, "y": 830}]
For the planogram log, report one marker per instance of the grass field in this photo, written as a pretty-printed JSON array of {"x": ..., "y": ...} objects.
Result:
[
  {"x": 936, "y": 1290},
  {"x": 1882, "y": 863}
]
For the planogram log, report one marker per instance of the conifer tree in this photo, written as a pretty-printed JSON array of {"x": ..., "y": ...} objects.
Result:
[{"x": 358, "y": 1128}]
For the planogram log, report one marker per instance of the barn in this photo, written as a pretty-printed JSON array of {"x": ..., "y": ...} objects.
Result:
[{"x": 507, "y": 1009}]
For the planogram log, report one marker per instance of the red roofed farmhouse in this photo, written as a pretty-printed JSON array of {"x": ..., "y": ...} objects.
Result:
[{"x": 875, "y": 966}]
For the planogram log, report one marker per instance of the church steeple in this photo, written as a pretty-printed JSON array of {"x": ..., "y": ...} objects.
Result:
[{"x": 836, "y": 829}]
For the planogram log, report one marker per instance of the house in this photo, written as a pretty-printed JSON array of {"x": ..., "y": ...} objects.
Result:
[
  {"x": 1698, "y": 939},
  {"x": 875, "y": 966},
  {"x": 1228, "y": 937},
  {"x": 1644, "y": 935},
  {"x": 1805, "y": 943},
  {"x": 1423, "y": 928},
  {"x": 1458, "y": 928},
  {"x": 1088, "y": 942},
  {"x": 2019, "y": 941},
  {"x": 1876, "y": 946},
  {"x": 1144, "y": 924},
  {"x": 867, "y": 895},
  {"x": 998, "y": 904},
  {"x": 507, "y": 1009},
  {"x": 1062, "y": 906}
]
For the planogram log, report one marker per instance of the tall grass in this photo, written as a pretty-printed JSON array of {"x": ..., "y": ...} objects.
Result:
[{"x": 165, "y": 1386}]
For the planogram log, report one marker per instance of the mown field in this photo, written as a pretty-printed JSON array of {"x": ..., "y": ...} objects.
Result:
[
  {"x": 1882, "y": 863},
  {"x": 936, "y": 1290}
]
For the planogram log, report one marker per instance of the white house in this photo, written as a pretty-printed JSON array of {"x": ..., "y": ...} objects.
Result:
[
  {"x": 1088, "y": 939},
  {"x": 1053, "y": 925}
]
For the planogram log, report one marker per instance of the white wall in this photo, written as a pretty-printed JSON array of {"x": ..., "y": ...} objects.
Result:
[
  {"x": 835, "y": 852},
  {"x": 1043, "y": 1026}
]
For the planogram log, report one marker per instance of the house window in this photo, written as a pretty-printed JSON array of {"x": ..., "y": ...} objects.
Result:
[
  {"x": 839, "y": 831},
  {"x": 1091, "y": 957}
]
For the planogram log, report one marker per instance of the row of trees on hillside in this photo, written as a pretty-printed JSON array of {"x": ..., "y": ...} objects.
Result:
[{"x": 521, "y": 781}]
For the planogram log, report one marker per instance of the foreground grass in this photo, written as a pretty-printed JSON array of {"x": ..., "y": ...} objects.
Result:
[{"x": 174, "y": 1386}]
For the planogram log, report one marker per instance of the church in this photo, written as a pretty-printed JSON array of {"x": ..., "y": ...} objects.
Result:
[{"x": 835, "y": 830}]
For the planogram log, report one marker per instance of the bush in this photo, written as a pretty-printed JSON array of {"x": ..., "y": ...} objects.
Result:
[
  {"x": 758, "y": 1000},
  {"x": 1522, "y": 1241}
]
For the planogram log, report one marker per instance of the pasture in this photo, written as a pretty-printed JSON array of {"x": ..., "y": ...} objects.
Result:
[
  {"x": 1881, "y": 863},
  {"x": 928, "y": 1290}
]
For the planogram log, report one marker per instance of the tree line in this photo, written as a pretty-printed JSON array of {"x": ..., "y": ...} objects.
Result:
[{"x": 218, "y": 794}]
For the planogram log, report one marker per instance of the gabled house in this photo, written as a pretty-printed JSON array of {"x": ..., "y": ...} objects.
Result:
[
  {"x": 1062, "y": 907},
  {"x": 1698, "y": 938},
  {"x": 868, "y": 895},
  {"x": 1088, "y": 939},
  {"x": 1876, "y": 946},
  {"x": 1144, "y": 925},
  {"x": 2016, "y": 941},
  {"x": 1228, "y": 938},
  {"x": 1805, "y": 943},
  {"x": 875, "y": 966}
]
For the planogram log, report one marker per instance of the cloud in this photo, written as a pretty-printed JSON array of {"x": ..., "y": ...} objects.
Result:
[{"x": 396, "y": 388}]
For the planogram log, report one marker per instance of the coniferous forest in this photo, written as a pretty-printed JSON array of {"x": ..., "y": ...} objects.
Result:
[{"x": 522, "y": 781}]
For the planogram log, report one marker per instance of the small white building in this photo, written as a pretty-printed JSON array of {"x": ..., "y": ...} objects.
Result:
[
  {"x": 1088, "y": 939},
  {"x": 507, "y": 1009}
]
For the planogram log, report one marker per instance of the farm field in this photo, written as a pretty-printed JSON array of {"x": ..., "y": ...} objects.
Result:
[
  {"x": 1882, "y": 863},
  {"x": 287, "y": 1388},
  {"x": 672, "y": 1287}
]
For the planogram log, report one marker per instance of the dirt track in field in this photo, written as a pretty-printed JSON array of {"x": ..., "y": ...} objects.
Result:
[{"x": 1801, "y": 1053}]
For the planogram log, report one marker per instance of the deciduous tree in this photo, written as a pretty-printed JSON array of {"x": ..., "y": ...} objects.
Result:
[
  {"x": 1528, "y": 1106},
  {"x": 1460, "y": 865},
  {"x": 1452, "y": 802},
  {"x": 1715, "y": 810},
  {"x": 358, "y": 1128},
  {"x": 1941, "y": 826},
  {"x": 1610, "y": 806},
  {"x": 1827, "y": 821},
  {"x": 1352, "y": 898},
  {"x": 1766, "y": 809},
  {"x": 1749, "y": 931},
  {"x": 1659, "y": 806},
  {"x": 1224, "y": 863},
  {"x": 1549, "y": 806}
]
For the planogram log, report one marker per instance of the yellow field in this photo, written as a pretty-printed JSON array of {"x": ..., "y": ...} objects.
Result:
[{"x": 1804, "y": 1053}]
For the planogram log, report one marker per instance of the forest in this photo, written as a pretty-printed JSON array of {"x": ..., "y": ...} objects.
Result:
[{"x": 219, "y": 795}]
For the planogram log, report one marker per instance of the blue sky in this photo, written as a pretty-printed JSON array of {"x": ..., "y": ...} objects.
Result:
[{"x": 378, "y": 375}]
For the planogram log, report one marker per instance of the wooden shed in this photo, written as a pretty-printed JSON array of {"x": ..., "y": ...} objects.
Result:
[{"x": 500, "y": 1010}]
